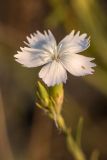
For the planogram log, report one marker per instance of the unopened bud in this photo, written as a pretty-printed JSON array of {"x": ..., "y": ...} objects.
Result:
[
  {"x": 43, "y": 94},
  {"x": 57, "y": 94}
]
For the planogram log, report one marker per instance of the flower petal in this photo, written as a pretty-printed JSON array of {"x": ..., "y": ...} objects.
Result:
[
  {"x": 41, "y": 41},
  {"x": 78, "y": 65},
  {"x": 32, "y": 58},
  {"x": 53, "y": 73},
  {"x": 73, "y": 43},
  {"x": 41, "y": 48}
]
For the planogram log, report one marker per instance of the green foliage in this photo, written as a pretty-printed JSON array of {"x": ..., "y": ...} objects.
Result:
[
  {"x": 79, "y": 131},
  {"x": 49, "y": 101}
]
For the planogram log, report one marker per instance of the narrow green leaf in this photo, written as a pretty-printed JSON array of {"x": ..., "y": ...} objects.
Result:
[{"x": 79, "y": 131}]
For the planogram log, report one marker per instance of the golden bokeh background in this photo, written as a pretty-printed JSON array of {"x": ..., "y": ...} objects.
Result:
[{"x": 26, "y": 133}]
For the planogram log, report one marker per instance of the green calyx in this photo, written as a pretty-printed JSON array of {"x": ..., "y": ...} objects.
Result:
[
  {"x": 42, "y": 95},
  {"x": 50, "y": 99},
  {"x": 57, "y": 94}
]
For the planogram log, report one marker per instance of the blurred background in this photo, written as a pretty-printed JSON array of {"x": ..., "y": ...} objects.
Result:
[{"x": 26, "y": 133}]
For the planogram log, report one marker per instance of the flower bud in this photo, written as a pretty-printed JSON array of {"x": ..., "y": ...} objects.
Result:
[
  {"x": 43, "y": 95},
  {"x": 57, "y": 94}
]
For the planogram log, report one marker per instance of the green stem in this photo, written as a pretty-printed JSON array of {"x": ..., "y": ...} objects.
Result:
[
  {"x": 51, "y": 101},
  {"x": 73, "y": 147}
]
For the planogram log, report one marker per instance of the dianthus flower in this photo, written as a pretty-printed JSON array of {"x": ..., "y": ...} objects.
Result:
[{"x": 42, "y": 49}]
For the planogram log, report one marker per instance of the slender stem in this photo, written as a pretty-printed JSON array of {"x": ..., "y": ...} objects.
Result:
[
  {"x": 73, "y": 147},
  {"x": 53, "y": 100}
]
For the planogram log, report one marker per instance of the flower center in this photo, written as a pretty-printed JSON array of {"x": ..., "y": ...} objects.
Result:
[{"x": 55, "y": 55}]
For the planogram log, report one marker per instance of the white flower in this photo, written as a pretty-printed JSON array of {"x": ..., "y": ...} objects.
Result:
[{"x": 42, "y": 49}]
